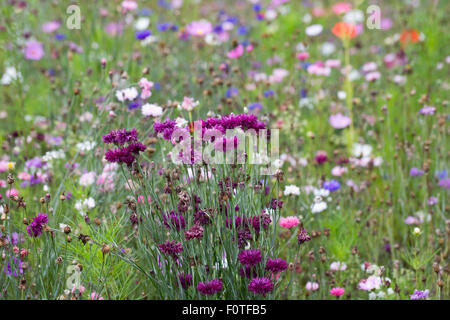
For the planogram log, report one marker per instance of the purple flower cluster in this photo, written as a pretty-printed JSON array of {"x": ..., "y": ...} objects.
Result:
[
  {"x": 13, "y": 268},
  {"x": 420, "y": 295},
  {"x": 165, "y": 128},
  {"x": 250, "y": 257},
  {"x": 196, "y": 232},
  {"x": 171, "y": 248},
  {"x": 210, "y": 287},
  {"x": 276, "y": 265},
  {"x": 34, "y": 229},
  {"x": 123, "y": 154},
  {"x": 260, "y": 286}
]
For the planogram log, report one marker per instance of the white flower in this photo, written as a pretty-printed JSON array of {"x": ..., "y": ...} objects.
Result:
[
  {"x": 151, "y": 110},
  {"x": 372, "y": 282},
  {"x": 212, "y": 39},
  {"x": 327, "y": 48},
  {"x": 354, "y": 17},
  {"x": 362, "y": 150},
  {"x": 372, "y": 296},
  {"x": 318, "y": 205},
  {"x": 84, "y": 205},
  {"x": 142, "y": 23},
  {"x": 390, "y": 291},
  {"x": 87, "y": 179},
  {"x": 127, "y": 94},
  {"x": 321, "y": 193},
  {"x": 181, "y": 122},
  {"x": 10, "y": 75},
  {"x": 86, "y": 145},
  {"x": 291, "y": 189},
  {"x": 314, "y": 30},
  {"x": 381, "y": 294},
  {"x": 335, "y": 266},
  {"x": 417, "y": 231}
]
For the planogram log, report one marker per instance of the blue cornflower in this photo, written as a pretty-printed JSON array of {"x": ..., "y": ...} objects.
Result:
[
  {"x": 141, "y": 35},
  {"x": 331, "y": 185}
]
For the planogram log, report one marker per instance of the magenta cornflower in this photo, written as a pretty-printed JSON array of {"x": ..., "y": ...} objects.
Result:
[
  {"x": 196, "y": 232},
  {"x": 36, "y": 226},
  {"x": 276, "y": 265},
  {"x": 337, "y": 292},
  {"x": 260, "y": 286},
  {"x": 210, "y": 287},
  {"x": 250, "y": 257},
  {"x": 171, "y": 248},
  {"x": 121, "y": 136}
]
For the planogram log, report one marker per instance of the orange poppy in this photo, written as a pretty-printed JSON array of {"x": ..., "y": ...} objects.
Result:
[
  {"x": 344, "y": 31},
  {"x": 409, "y": 35}
]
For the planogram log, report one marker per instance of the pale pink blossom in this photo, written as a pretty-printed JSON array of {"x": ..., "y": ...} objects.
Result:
[
  {"x": 339, "y": 121},
  {"x": 236, "y": 52}
]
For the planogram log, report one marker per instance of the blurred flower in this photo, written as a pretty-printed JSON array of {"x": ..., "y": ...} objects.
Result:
[{"x": 34, "y": 50}]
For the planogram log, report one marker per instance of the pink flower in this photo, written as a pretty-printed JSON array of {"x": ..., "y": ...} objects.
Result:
[
  {"x": 34, "y": 50},
  {"x": 249, "y": 48},
  {"x": 12, "y": 192},
  {"x": 337, "y": 292},
  {"x": 312, "y": 286},
  {"x": 199, "y": 28},
  {"x": 129, "y": 5},
  {"x": 114, "y": 28},
  {"x": 318, "y": 12},
  {"x": 339, "y": 121},
  {"x": 24, "y": 176},
  {"x": 342, "y": 7},
  {"x": 302, "y": 55},
  {"x": 373, "y": 282},
  {"x": 333, "y": 63},
  {"x": 372, "y": 76},
  {"x": 289, "y": 222},
  {"x": 236, "y": 52},
  {"x": 338, "y": 171},
  {"x": 146, "y": 86},
  {"x": 95, "y": 296},
  {"x": 51, "y": 26}
]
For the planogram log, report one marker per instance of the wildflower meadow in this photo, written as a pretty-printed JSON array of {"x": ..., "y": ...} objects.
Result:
[{"x": 224, "y": 150}]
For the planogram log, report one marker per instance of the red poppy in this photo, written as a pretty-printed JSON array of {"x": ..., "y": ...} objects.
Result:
[
  {"x": 409, "y": 35},
  {"x": 344, "y": 31}
]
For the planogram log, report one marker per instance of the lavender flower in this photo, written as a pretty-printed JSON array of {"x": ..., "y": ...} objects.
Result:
[
  {"x": 177, "y": 221},
  {"x": 185, "y": 280},
  {"x": 332, "y": 185}
]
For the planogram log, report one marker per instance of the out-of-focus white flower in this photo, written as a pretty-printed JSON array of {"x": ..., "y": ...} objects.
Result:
[
  {"x": 338, "y": 266},
  {"x": 319, "y": 205},
  {"x": 314, "y": 30},
  {"x": 87, "y": 179},
  {"x": 10, "y": 75},
  {"x": 142, "y": 23},
  {"x": 127, "y": 94},
  {"x": 151, "y": 110},
  {"x": 85, "y": 205},
  {"x": 291, "y": 189},
  {"x": 86, "y": 146},
  {"x": 328, "y": 48},
  {"x": 362, "y": 150},
  {"x": 354, "y": 17}
]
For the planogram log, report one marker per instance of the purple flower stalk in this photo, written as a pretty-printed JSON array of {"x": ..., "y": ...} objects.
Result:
[{"x": 420, "y": 295}]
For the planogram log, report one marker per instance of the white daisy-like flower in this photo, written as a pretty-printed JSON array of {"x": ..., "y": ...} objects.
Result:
[
  {"x": 354, "y": 17},
  {"x": 362, "y": 150},
  {"x": 181, "y": 122}
]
